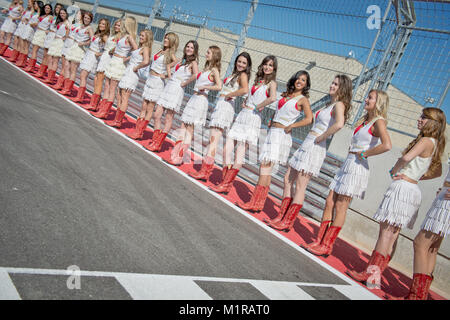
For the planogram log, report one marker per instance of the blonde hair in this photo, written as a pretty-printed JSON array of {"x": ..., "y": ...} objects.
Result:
[
  {"x": 215, "y": 59},
  {"x": 128, "y": 27},
  {"x": 113, "y": 29},
  {"x": 174, "y": 41},
  {"x": 381, "y": 106},
  {"x": 148, "y": 39},
  {"x": 434, "y": 128}
]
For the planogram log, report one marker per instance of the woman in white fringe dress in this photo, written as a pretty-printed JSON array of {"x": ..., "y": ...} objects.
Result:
[
  {"x": 353, "y": 177},
  {"x": 278, "y": 142},
  {"x": 421, "y": 160},
  {"x": 25, "y": 17},
  {"x": 91, "y": 57},
  {"x": 116, "y": 68},
  {"x": 10, "y": 24},
  {"x": 27, "y": 33},
  {"x": 55, "y": 51},
  {"x": 172, "y": 96},
  {"x": 45, "y": 20},
  {"x": 196, "y": 109},
  {"x": 160, "y": 69},
  {"x": 104, "y": 61},
  {"x": 236, "y": 85},
  {"x": 247, "y": 125},
  {"x": 140, "y": 59}
]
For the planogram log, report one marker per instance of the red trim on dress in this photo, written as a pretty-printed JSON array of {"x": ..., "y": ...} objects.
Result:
[
  {"x": 357, "y": 129},
  {"x": 281, "y": 103},
  {"x": 212, "y": 80},
  {"x": 177, "y": 67},
  {"x": 198, "y": 75}
]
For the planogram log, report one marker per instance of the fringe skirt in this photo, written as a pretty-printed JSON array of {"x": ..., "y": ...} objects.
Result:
[
  {"x": 89, "y": 62},
  {"x": 8, "y": 26},
  {"x": 49, "y": 39},
  {"x": 246, "y": 127},
  {"x": 130, "y": 79},
  {"x": 437, "y": 219},
  {"x": 27, "y": 33},
  {"x": 56, "y": 48},
  {"x": 352, "y": 178},
  {"x": 222, "y": 115},
  {"x": 115, "y": 69},
  {"x": 195, "y": 111},
  {"x": 105, "y": 60},
  {"x": 68, "y": 43},
  {"x": 39, "y": 38},
  {"x": 76, "y": 53},
  {"x": 153, "y": 88},
  {"x": 276, "y": 147},
  {"x": 172, "y": 96},
  {"x": 19, "y": 30},
  {"x": 400, "y": 205},
  {"x": 309, "y": 157}
]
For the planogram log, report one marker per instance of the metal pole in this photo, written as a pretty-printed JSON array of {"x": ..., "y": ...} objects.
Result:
[
  {"x": 155, "y": 8},
  {"x": 444, "y": 94},
  {"x": 242, "y": 36},
  {"x": 94, "y": 8}
]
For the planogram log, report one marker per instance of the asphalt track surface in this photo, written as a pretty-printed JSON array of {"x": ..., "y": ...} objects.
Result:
[{"x": 73, "y": 192}]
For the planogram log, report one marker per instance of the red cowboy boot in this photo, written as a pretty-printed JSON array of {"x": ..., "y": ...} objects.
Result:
[
  {"x": 326, "y": 247},
  {"x": 205, "y": 171},
  {"x": 117, "y": 121},
  {"x": 285, "y": 203},
  {"x": 13, "y": 56},
  {"x": 103, "y": 111},
  {"x": 176, "y": 156},
  {"x": 322, "y": 229},
  {"x": 50, "y": 77},
  {"x": 257, "y": 201},
  {"x": 376, "y": 259},
  {"x": 80, "y": 95},
  {"x": 93, "y": 103},
  {"x": 227, "y": 183},
  {"x": 155, "y": 137},
  {"x": 156, "y": 145},
  {"x": 68, "y": 85},
  {"x": 138, "y": 133},
  {"x": 3, "y": 49},
  {"x": 59, "y": 83},
  {"x": 42, "y": 69},
  {"x": 289, "y": 218},
  {"x": 20, "y": 59},
  {"x": 420, "y": 287},
  {"x": 31, "y": 65}
]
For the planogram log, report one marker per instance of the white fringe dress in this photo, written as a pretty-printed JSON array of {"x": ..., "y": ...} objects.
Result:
[
  {"x": 130, "y": 78},
  {"x": 116, "y": 67},
  {"x": 247, "y": 124},
  {"x": 27, "y": 33},
  {"x": 26, "y": 16},
  {"x": 223, "y": 113},
  {"x": 154, "y": 85},
  {"x": 401, "y": 201},
  {"x": 196, "y": 108},
  {"x": 105, "y": 58},
  {"x": 90, "y": 59},
  {"x": 278, "y": 143},
  {"x": 77, "y": 52},
  {"x": 172, "y": 96},
  {"x": 57, "y": 45},
  {"x": 309, "y": 157},
  {"x": 68, "y": 43},
  {"x": 40, "y": 34},
  {"x": 437, "y": 219},
  {"x": 353, "y": 177},
  {"x": 51, "y": 33},
  {"x": 10, "y": 26}
]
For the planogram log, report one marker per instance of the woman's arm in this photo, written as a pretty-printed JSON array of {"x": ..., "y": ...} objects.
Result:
[
  {"x": 243, "y": 84},
  {"x": 306, "y": 107},
  {"x": 86, "y": 43},
  {"x": 272, "y": 96},
  {"x": 380, "y": 130},
  {"x": 194, "y": 67},
  {"x": 338, "y": 113},
  {"x": 217, "y": 82}
]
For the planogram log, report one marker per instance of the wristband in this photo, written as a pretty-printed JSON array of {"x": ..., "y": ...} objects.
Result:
[{"x": 362, "y": 155}]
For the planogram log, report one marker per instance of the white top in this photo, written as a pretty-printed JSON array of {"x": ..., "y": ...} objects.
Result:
[
  {"x": 53, "y": 25},
  {"x": 61, "y": 30},
  {"x": 257, "y": 95},
  {"x": 110, "y": 44},
  {"x": 122, "y": 48},
  {"x": 228, "y": 88},
  {"x": 34, "y": 19},
  {"x": 418, "y": 166},
  {"x": 73, "y": 30},
  {"x": 26, "y": 16},
  {"x": 44, "y": 22},
  {"x": 14, "y": 13},
  {"x": 323, "y": 119},
  {"x": 203, "y": 79},
  {"x": 182, "y": 73},
  {"x": 158, "y": 64},
  {"x": 96, "y": 44},
  {"x": 81, "y": 34},
  {"x": 363, "y": 138},
  {"x": 287, "y": 111},
  {"x": 136, "y": 58}
]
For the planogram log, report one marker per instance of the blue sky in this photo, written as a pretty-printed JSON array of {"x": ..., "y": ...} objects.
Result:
[{"x": 336, "y": 27}]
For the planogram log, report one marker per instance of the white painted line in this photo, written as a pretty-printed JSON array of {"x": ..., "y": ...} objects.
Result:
[
  {"x": 7, "y": 289},
  {"x": 281, "y": 291},
  {"x": 356, "y": 292},
  {"x": 162, "y": 288},
  {"x": 214, "y": 194}
]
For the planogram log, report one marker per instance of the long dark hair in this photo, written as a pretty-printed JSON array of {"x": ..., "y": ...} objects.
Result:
[
  {"x": 186, "y": 60},
  {"x": 43, "y": 10},
  {"x": 59, "y": 19},
  {"x": 260, "y": 72},
  {"x": 290, "y": 86},
  {"x": 236, "y": 74}
]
